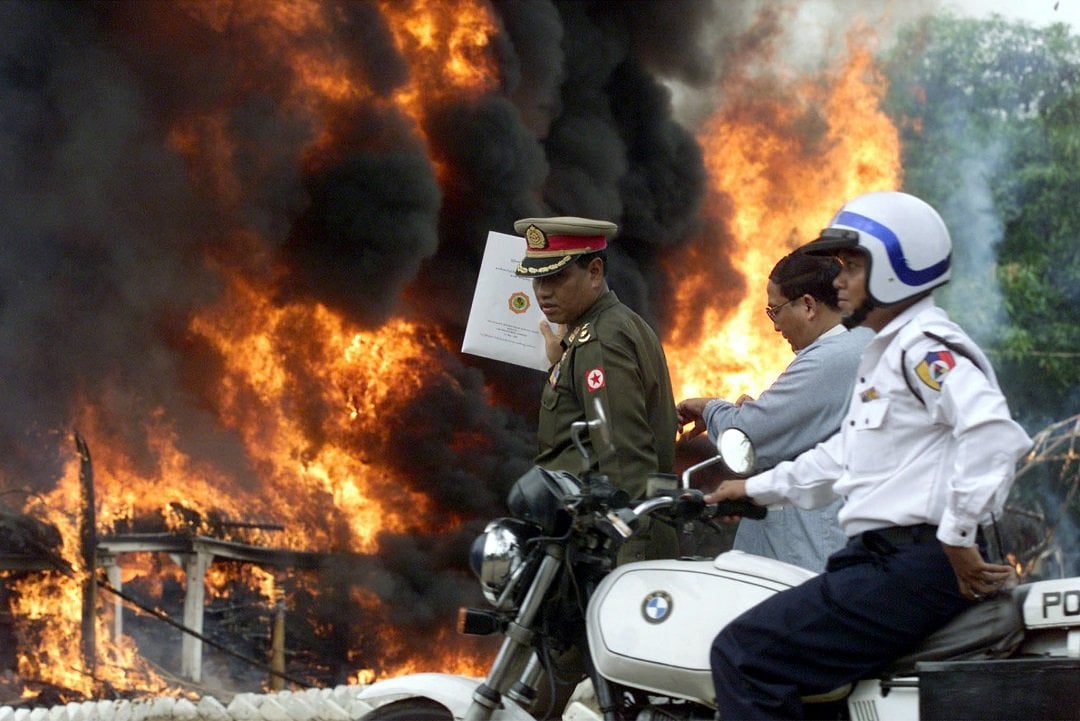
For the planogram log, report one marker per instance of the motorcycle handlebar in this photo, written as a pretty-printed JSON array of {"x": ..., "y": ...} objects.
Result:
[
  {"x": 690, "y": 504},
  {"x": 745, "y": 508}
]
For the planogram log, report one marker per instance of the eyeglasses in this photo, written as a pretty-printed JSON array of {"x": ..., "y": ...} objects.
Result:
[{"x": 771, "y": 310}]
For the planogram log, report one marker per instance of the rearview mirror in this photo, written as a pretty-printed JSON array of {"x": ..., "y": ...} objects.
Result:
[
  {"x": 735, "y": 454},
  {"x": 737, "y": 450}
]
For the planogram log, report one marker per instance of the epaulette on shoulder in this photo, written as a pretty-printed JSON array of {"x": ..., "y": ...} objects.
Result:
[{"x": 583, "y": 334}]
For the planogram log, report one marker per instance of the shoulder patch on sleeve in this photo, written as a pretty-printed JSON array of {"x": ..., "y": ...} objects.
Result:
[
  {"x": 934, "y": 367},
  {"x": 594, "y": 378}
]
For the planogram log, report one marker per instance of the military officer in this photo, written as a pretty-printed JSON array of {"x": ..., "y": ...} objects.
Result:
[{"x": 607, "y": 352}]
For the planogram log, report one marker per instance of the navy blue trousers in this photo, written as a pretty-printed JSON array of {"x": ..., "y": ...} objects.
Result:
[{"x": 875, "y": 602}]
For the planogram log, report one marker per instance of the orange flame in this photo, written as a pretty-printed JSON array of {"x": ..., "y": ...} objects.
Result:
[
  {"x": 447, "y": 47},
  {"x": 50, "y": 610},
  {"x": 367, "y": 375},
  {"x": 466, "y": 655},
  {"x": 771, "y": 189},
  {"x": 266, "y": 348}
]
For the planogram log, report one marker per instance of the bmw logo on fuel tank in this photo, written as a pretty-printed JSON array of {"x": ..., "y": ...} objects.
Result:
[{"x": 657, "y": 607}]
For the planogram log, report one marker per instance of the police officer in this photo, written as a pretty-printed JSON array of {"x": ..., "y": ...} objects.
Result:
[
  {"x": 607, "y": 352},
  {"x": 925, "y": 454}
]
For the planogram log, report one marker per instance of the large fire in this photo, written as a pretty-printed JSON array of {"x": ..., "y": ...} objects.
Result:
[
  {"x": 294, "y": 370},
  {"x": 771, "y": 190}
]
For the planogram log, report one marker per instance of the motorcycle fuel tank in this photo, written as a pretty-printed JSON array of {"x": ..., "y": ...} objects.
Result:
[{"x": 651, "y": 623}]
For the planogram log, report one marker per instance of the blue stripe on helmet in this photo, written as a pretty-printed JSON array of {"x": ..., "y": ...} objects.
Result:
[{"x": 893, "y": 249}]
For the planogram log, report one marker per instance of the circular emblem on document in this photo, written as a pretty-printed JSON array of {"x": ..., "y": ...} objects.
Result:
[
  {"x": 518, "y": 302},
  {"x": 656, "y": 608}
]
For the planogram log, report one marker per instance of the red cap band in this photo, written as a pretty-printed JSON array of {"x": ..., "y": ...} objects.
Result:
[{"x": 572, "y": 244}]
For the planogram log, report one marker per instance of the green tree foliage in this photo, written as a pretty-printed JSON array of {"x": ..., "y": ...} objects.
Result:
[{"x": 989, "y": 115}]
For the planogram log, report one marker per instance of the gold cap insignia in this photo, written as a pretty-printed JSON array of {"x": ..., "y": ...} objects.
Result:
[{"x": 535, "y": 238}]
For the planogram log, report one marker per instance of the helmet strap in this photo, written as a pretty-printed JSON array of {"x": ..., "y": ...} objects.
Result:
[{"x": 858, "y": 316}]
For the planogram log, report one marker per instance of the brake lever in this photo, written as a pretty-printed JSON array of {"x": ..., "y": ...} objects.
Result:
[{"x": 689, "y": 504}]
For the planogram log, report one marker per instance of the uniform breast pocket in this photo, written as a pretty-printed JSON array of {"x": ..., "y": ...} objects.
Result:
[{"x": 870, "y": 448}]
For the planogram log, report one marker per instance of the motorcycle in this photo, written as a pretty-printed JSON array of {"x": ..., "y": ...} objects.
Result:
[{"x": 643, "y": 630}]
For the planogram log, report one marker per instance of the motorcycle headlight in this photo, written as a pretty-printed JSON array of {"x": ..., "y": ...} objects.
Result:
[{"x": 497, "y": 556}]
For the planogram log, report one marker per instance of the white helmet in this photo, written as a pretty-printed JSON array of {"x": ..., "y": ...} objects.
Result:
[{"x": 906, "y": 242}]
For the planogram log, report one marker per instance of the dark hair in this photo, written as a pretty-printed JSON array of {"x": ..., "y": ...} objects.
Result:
[
  {"x": 799, "y": 273},
  {"x": 584, "y": 259}
]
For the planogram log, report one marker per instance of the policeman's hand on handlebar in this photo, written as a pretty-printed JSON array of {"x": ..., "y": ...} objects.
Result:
[{"x": 734, "y": 490}]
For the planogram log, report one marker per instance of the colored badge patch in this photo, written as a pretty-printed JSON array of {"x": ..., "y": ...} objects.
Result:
[
  {"x": 518, "y": 302},
  {"x": 934, "y": 367},
  {"x": 594, "y": 379}
]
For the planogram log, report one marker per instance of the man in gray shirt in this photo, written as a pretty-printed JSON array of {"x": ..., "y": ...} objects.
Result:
[{"x": 801, "y": 408}]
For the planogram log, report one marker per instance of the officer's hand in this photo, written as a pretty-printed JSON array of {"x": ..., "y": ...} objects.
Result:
[
  {"x": 552, "y": 340},
  {"x": 976, "y": 577}
]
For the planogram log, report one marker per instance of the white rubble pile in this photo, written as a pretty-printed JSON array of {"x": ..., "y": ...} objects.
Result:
[{"x": 317, "y": 704}]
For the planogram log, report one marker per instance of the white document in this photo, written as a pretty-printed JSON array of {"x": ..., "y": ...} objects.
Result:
[{"x": 504, "y": 323}]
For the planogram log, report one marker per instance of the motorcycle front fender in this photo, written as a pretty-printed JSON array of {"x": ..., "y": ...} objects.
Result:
[{"x": 453, "y": 692}]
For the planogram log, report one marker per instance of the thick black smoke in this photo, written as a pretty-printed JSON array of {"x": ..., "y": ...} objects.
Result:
[
  {"x": 100, "y": 246},
  {"x": 113, "y": 236}
]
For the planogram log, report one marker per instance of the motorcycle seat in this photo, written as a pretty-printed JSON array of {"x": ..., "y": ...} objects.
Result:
[{"x": 990, "y": 629}]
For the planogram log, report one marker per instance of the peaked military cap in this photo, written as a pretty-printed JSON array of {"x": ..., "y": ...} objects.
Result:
[{"x": 551, "y": 243}]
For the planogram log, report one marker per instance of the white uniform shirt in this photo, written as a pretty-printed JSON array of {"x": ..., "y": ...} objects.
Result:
[{"x": 898, "y": 462}]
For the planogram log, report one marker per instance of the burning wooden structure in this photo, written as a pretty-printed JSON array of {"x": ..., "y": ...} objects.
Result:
[
  {"x": 1041, "y": 524},
  {"x": 194, "y": 554}
]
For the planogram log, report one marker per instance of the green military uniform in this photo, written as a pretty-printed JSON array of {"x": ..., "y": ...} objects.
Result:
[
  {"x": 612, "y": 354},
  {"x": 609, "y": 354}
]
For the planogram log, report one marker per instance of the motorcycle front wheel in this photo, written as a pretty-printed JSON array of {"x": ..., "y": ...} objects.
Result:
[{"x": 411, "y": 709}]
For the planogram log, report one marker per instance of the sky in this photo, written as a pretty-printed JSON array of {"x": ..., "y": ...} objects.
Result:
[{"x": 1037, "y": 12}]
